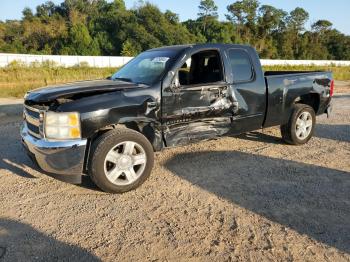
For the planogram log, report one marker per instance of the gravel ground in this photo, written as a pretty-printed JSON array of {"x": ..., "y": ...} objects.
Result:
[{"x": 245, "y": 198}]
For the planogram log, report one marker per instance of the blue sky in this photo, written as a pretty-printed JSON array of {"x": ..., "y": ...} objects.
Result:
[{"x": 336, "y": 11}]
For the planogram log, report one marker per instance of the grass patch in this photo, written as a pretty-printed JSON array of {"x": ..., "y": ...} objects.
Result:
[{"x": 16, "y": 79}]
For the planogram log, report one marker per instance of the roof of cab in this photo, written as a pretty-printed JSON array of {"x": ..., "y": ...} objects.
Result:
[{"x": 197, "y": 46}]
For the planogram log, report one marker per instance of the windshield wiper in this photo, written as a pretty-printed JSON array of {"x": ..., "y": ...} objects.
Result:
[
  {"x": 123, "y": 79},
  {"x": 129, "y": 80}
]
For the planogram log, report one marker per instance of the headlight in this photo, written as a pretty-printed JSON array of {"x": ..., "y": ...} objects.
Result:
[{"x": 61, "y": 126}]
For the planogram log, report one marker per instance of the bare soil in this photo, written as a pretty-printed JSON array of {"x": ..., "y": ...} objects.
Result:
[
  {"x": 342, "y": 87},
  {"x": 246, "y": 198}
]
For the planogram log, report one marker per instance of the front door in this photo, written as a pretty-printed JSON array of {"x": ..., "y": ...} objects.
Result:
[{"x": 198, "y": 105}]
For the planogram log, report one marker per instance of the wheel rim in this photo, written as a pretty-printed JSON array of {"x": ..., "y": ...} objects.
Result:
[
  {"x": 304, "y": 125},
  {"x": 125, "y": 163}
]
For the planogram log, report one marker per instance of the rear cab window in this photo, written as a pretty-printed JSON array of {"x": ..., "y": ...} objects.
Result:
[{"x": 241, "y": 65}]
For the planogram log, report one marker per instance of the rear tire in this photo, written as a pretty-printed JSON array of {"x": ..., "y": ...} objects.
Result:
[
  {"x": 121, "y": 160},
  {"x": 301, "y": 125}
]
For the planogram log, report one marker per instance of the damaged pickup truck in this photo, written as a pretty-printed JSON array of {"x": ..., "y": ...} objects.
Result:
[{"x": 109, "y": 129}]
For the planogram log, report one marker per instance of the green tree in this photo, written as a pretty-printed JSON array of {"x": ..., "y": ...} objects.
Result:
[
  {"x": 271, "y": 21},
  {"x": 128, "y": 49},
  {"x": 27, "y": 14},
  {"x": 297, "y": 19},
  {"x": 81, "y": 42},
  {"x": 321, "y": 26},
  {"x": 207, "y": 11},
  {"x": 296, "y": 24},
  {"x": 173, "y": 18},
  {"x": 101, "y": 27},
  {"x": 244, "y": 15}
]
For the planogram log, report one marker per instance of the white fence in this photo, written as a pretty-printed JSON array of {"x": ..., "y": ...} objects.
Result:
[
  {"x": 66, "y": 61},
  {"x": 270, "y": 62},
  {"x": 117, "y": 61}
]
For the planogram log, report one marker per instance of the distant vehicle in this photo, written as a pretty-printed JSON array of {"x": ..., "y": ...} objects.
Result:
[{"x": 165, "y": 97}]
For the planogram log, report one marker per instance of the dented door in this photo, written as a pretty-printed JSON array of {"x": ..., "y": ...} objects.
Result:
[{"x": 196, "y": 113}]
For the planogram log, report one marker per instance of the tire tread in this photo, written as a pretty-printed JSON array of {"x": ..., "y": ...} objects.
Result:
[
  {"x": 288, "y": 129},
  {"x": 96, "y": 151}
]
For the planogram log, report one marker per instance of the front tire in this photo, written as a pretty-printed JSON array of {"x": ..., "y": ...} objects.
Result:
[
  {"x": 301, "y": 125},
  {"x": 121, "y": 161}
]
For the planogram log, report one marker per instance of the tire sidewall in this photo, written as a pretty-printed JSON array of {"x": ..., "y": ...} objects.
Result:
[
  {"x": 297, "y": 112},
  {"x": 103, "y": 145}
]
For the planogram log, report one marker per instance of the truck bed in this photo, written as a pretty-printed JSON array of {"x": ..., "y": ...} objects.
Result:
[
  {"x": 281, "y": 73},
  {"x": 283, "y": 87}
]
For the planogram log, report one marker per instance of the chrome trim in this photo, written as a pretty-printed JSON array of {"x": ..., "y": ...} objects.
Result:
[
  {"x": 31, "y": 119},
  {"x": 38, "y": 122},
  {"x": 32, "y": 109},
  {"x": 56, "y": 157},
  {"x": 34, "y": 134}
]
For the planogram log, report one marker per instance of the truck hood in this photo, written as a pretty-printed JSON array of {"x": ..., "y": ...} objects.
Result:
[{"x": 88, "y": 88}]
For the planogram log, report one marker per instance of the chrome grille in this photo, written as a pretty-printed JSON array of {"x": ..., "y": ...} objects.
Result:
[{"x": 32, "y": 118}]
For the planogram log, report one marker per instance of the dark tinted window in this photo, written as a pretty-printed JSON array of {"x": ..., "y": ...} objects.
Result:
[
  {"x": 240, "y": 64},
  {"x": 202, "y": 68}
]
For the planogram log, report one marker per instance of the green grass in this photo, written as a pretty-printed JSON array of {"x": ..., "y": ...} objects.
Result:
[{"x": 16, "y": 79}]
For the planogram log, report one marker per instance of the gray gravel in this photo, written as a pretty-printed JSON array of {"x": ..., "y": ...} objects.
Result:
[{"x": 245, "y": 198}]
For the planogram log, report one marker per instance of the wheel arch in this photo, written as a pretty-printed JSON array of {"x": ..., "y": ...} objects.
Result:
[
  {"x": 311, "y": 99},
  {"x": 147, "y": 128}
]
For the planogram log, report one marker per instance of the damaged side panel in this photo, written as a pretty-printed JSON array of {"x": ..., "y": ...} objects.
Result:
[
  {"x": 208, "y": 110},
  {"x": 182, "y": 134},
  {"x": 136, "y": 109},
  {"x": 197, "y": 113}
]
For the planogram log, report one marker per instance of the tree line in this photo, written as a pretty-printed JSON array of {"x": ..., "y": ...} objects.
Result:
[{"x": 98, "y": 27}]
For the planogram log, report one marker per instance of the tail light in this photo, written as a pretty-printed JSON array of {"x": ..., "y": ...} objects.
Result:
[{"x": 331, "y": 91}]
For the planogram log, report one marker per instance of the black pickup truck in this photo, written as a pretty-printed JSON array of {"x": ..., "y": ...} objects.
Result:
[{"x": 109, "y": 129}]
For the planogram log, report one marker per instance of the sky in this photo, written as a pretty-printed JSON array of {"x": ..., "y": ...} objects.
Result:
[{"x": 336, "y": 11}]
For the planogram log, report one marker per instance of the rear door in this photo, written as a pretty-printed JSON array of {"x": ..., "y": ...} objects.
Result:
[{"x": 248, "y": 86}]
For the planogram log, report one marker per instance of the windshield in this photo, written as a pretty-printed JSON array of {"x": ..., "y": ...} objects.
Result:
[{"x": 146, "y": 68}]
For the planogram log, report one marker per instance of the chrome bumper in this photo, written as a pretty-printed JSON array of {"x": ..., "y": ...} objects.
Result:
[{"x": 55, "y": 157}]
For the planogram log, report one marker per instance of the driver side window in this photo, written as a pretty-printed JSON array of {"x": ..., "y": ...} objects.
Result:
[{"x": 202, "y": 68}]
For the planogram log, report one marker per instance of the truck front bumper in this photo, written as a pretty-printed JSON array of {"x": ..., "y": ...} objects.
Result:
[{"x": 55, "y": 157}]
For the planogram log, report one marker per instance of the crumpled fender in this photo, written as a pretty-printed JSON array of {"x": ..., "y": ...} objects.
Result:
[{"x": 136, "y": 111}]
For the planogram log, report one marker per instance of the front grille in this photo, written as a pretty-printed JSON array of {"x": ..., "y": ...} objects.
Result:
[
  {"x": 34, "y": 114},
  {"x": 33, "y": 128},
  {"x": 32, "y": 118}
]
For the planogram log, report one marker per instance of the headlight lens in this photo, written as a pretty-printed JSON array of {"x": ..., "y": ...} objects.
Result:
[{"x": 62, "y": 126}]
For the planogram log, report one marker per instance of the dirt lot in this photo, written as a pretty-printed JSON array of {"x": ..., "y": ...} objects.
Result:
[
  {"x": 342, "y": 87},
  {"x": 245, "y": 198}
]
